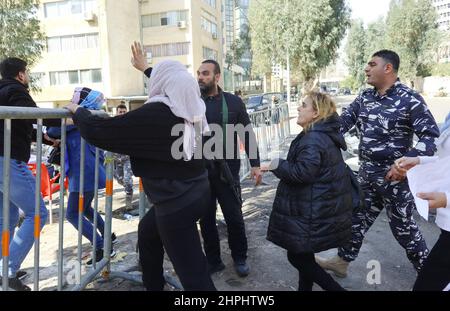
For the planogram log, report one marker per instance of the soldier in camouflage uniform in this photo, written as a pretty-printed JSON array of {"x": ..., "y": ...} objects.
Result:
[
  {"x": 387, "y": 116},
  {"x": 122, "y": 168}
]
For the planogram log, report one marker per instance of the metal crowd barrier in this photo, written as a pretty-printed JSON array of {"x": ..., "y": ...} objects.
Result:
[
  {"x": 99, "y": 269},
  {"x": 271, "y": 127}
]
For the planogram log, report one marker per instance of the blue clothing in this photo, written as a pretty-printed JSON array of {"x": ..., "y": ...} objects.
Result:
[
  {"x": 88, "y": 217},
  {"x": 21, "y": 195},
  {"x": 388, "y": 122},
  {"x": 386, "y": 125},
  {"x": 72, "y": 160}
]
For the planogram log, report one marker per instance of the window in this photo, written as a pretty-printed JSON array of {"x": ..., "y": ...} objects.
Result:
[
  {"x": 211, "y": 3},
  {"x": 51, "y": 9},
  {"x": 164, "y": 19},
  {"x": 76, "y": 77},
  {"x": 68, "y": 7},
  {"x": 54, "y": 44},
  {"x": 96, "y": 76},
  {"x": 73, "y": 77},
  {"x": 209, "y": 53},
  {"x": 169, "y": 49},
  {"x": 72, "y": 43}
]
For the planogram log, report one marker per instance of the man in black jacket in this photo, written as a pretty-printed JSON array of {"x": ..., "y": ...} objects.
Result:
[
  {"x": 216, "y": 102},
  {"x": 14, "y": 93}
]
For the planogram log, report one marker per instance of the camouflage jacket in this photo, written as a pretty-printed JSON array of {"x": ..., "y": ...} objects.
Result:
[{"x": 387, "y": 123}]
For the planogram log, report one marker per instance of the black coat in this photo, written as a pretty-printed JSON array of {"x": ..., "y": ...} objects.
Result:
[
  {"x": 15, "y": 94},
  {"x": 312, "y": 211}
]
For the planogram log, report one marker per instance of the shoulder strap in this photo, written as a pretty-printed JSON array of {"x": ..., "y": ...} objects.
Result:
[{"x": 224, "y": 119}]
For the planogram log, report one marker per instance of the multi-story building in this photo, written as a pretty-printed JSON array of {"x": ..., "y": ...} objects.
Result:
[
  {"x": 235, "y": 16},
  {"x": 443, "y": 11},
  {"x": 88, "y": 43}
]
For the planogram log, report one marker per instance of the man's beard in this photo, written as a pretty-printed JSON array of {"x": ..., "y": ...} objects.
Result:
[{"x": 206, "y": 89}]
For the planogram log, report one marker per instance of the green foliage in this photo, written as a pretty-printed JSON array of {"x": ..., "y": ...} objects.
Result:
[
  {"x": 412, "y": 33},
  {"x": 375, "y": 38},
  {"x": 356, "y": 54},
  {"x": 310, "y": 30},
  {"x": 20, "y": 34}
]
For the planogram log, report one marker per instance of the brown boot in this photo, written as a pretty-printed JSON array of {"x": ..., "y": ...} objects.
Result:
[{"x": 335, "y": 264}]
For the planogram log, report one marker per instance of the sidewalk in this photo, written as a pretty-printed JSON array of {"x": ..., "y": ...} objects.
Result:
[{"x": 270, "y": 269}]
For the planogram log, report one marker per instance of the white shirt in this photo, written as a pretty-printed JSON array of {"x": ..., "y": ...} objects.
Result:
[{"x": 443, "y": 144}]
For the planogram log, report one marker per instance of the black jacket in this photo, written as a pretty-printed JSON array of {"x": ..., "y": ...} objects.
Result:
[
  {"x": 15, "y": 94},
  {"x": 145, "y": 135},
  {"x": 312, "y": 211},
  {"x": 237, "y": 115}
]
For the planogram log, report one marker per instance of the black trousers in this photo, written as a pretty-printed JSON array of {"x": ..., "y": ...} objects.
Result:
[
  {"x": 310, "y": 272},
  {"x": 176, "y": 233},
  {"x": 435, "y": 274},
  {"x": 232, "y": 212}
]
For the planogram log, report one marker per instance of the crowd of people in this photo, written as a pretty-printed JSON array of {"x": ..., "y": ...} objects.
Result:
[{"x": 314, "y": 207}]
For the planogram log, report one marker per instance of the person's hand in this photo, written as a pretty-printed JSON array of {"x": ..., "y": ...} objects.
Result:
[
  {"x": 264, "y": 168},
  {"x": 435, "y": 199},
  {"x": 72, "y": 107},
  {"x": 56, "y": 142},
  {"x": 138, "y": 60},
  {"x": 406, "y": 163},
  {"x": 395, "y": 174},
  {"x": 256, "y": 174}
]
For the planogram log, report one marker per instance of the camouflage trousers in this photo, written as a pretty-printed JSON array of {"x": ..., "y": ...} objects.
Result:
[
  {"x": 398, "y": 201},
  {"x": 123, "y": 173}
]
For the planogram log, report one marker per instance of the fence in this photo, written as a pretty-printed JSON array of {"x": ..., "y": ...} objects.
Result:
[{"x": 271, "y": 129}]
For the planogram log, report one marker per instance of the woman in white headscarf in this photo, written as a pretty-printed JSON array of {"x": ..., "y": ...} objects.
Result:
[{"x": 160, "y": 138}]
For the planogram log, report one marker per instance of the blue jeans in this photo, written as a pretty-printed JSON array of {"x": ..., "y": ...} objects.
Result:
[
  {"x": 22, "y": 191},
  {"x": 88, "y": 217}
]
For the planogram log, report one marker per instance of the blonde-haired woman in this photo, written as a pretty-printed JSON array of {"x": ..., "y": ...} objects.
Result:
[{"x": 313, "y": 206}]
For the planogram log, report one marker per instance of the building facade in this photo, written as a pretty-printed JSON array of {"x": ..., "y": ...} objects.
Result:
[
  {"x": 443, "y": 11},
  {"x": 88, "y": 43}
]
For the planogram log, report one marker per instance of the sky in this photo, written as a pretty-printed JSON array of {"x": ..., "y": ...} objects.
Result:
[{"x": 369, "y": 10}]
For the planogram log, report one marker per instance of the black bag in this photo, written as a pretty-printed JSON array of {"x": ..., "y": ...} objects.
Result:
[
  {"x": 55, "y": 156},
  {"x": 358, "y": 202}
]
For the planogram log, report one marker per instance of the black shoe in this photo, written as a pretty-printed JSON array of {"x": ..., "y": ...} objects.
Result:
[
  {"x": 99, "y": 256},
  {"x": 114, "y": 238},
  {"x": 241, "y": 268},
  {"x": 216, "y": 268},
  {"x": 21, "y": 274},
  {"x": 16, "y": 284}
]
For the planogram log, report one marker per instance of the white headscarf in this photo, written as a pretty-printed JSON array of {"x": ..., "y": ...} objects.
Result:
[{"x": 171, "y": 84}]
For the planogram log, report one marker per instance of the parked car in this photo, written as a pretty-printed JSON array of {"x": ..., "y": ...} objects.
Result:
[
  {"x": 263, "y": 101},
  {"x": 345, "y": 91}
]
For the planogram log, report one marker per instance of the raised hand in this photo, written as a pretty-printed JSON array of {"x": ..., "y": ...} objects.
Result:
[{"x": 138, "y": 59}]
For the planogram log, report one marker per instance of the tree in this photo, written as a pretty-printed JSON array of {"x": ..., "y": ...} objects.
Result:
[
  {"x": 375, "y": 37},
  {"x": 361, "y": 44},
  {"x": 20, "y": 35},
  {"x": 412, "y": 33},
  {"x": 356, "y": 58},
  {"x": 310, "y": 30}
]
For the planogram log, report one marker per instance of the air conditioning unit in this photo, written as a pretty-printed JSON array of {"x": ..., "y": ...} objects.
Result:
[
  {"x": 181, "y": 24},
  {"x": 214, "y": 35},
  {"x": 89, "y": 16}
]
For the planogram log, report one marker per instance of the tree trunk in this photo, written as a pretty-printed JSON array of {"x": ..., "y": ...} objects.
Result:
[{"x": 309, "y": 85}]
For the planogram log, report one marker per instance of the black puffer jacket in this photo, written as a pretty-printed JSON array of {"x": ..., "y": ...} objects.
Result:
[{"x": 313, "y": 207}]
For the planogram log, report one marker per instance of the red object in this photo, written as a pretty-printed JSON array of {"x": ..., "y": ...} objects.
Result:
[{"x": 48, "y": 185}]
